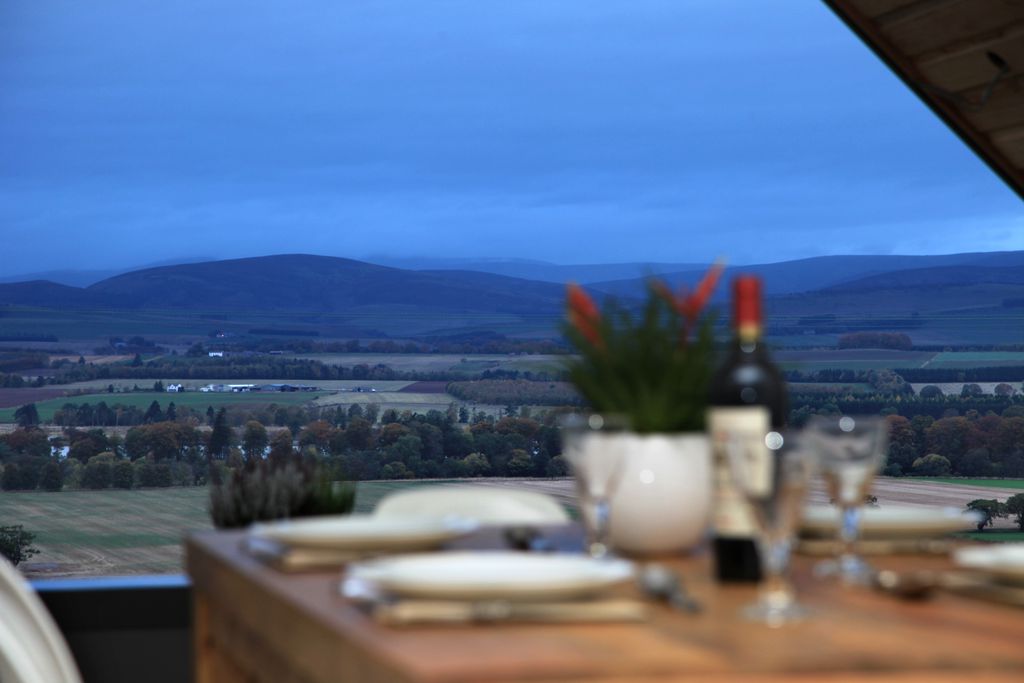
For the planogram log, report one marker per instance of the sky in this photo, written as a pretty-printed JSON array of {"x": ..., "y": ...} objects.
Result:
[{"x": 570, "y": 131}]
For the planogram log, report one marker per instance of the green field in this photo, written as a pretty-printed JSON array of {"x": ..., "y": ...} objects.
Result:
[
  {"x": 441, "y": 362},
  {"x": 86, "y": 533},
  {"x": 988, "y": 483},
  {"x": 192, "y": 399},
  {"x": 977, "y": 359},
  {"x": 93, "y": 533},
  {"x": 417, "y": 403}
]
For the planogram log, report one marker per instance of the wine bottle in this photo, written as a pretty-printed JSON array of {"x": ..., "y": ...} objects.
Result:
[{"x": 747, "y": 400}]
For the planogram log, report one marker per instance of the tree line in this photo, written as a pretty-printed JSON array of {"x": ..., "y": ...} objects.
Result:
[{"x": 354, "y": 442}]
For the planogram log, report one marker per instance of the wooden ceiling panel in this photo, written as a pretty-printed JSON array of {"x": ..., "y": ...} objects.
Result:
[
  {"x": 943, "y": 50},
  {"x": 1015, "y": 151},
  {"x": 872, "y": 8},
  {"x": 1004, "y": 108},
  {"x": 973, "y": 69},
  {"x": 935, "y": 24}
]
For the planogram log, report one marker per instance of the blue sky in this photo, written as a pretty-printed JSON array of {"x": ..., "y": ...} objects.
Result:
[{"x": 570, "y": 131}]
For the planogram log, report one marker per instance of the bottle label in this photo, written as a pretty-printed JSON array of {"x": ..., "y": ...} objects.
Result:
[{"x": 748, "y": 425}]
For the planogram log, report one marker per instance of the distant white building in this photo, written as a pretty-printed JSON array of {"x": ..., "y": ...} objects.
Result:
[
  {"x": 216, "y": 354},
  {"x": 174, "y": 388}
]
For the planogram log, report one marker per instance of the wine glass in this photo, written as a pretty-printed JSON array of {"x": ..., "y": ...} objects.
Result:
[
  {"x": 852, "y": 450},
  {"x": 592, "y": 446},
  {"x": 772, "y": 474}
]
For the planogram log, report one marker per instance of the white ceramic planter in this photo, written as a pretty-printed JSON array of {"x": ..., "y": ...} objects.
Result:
[{"x": 663, "y": 500}]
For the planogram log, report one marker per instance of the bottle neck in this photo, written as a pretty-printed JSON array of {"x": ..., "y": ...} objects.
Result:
[{"x": 748, "y": 333}]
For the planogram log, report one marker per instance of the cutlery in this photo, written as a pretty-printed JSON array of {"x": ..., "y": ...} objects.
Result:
[
  {"x": 662, "y": 583},
  {"x": 923, "y": 584},
  {"x": 933, "y": 546},
  {"x": 527, "y": 538}
]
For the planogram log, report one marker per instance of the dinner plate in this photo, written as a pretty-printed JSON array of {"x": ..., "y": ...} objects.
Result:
[
  {"x": 891, "y": 521},
  {"x": 1003, "y": 561},
  {"x": 364, "y": 532},
  {"x": 493, "y": 575},
  {"x": 487, "y": 505}
]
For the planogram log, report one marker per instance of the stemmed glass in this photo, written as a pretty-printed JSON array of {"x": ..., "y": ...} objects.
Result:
[
  {"x": 772, "y": 475},
  {"x": 594, "y": 452},
  {"x": 852, "y": 450}
]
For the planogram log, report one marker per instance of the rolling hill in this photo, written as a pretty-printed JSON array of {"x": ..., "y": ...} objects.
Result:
[
  {"x": 959, "y": 298},
  {"x": 806, "y": 275},
  {"x": 293, "y": 283}
]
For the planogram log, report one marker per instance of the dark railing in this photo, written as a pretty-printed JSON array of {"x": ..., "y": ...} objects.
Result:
[{"x": 124, "y": 629}]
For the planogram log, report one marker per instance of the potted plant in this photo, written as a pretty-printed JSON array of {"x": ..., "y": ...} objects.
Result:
[{"x": 650, "y": 368}]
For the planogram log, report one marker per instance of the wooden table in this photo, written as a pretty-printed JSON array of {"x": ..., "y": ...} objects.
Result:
[{"x": 253, "y": 623}]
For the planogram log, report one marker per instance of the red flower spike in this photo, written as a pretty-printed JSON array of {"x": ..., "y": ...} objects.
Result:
[
  {"x": 584, "y": 314},
  {"x": 695, "y": 303}
]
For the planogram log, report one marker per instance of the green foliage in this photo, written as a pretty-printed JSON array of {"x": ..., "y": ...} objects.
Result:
[
  {"x": 989, "y": 508},
  {"x": 16, "y": 543},
  {"x": 27, "y": 415},
  {"x": 123, "y": 475},
  {"x": 971, "y": 389},
  {"x": 221, "y": 436},
  {"x": 11, "y": 479},
  {"x": 151, "y": 474},
  {"x": 932, "y": 465},
  {"x": 644, "y": 369},
  {"x": 254, "y": 439},
  {"x": 51, "y": 478},
  {"x": 1015, "y": 506},
  {"x": 97, "y": 475},
  {"x": 265, "y": 490}
]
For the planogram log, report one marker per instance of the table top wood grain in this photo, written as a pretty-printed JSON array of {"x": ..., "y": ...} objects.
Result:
[{"x": 304, "y": 625}]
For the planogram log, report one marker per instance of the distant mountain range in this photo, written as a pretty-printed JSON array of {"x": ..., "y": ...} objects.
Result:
[
  {"x": 84, "y": 278},
  {"x": 345, "y": 296},
  {"x": 293, "y": 283},
  {"x": 542, "y": 270},
  {"x": 807, "y": 275}
]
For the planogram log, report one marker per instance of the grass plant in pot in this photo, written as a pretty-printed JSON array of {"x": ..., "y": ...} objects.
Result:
[{"x": 650, "y": 367}]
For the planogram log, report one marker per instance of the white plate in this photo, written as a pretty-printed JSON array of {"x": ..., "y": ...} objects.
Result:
[
  {"x": 493, "y": 575},
  {"x": 364, "y": 532},
  {"x": 1003, "y": 561},
  {"x": 891, "y": 521},
  {"x": 492, "y": 506}
]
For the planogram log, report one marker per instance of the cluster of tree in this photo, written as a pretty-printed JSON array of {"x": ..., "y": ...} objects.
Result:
[
  {"x": 15, "y": 361},
  {"x": 475, "y": 342},
  {"x": 350, "y": 440},
  {"x": 876, "y": 340},
  {"x": 1014, "y": 373},
  {"x": 134, "y": 344},
  {"x": 237, "y": 368},
  {"x": 991, "y": 509},
  {"x": 11, "y": 381},
  {"x": 967, "y": 390},
  {"x": 16, "y": 543},
  {"x": 515, "y": 392},
  {"x": 973, "y": 445},
  {"x": 907, "y": 405},
  {"x": 118, "y": 415}
]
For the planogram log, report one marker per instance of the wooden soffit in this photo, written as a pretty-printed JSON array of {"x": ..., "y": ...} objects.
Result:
[{"x": 964, "y": 58}]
